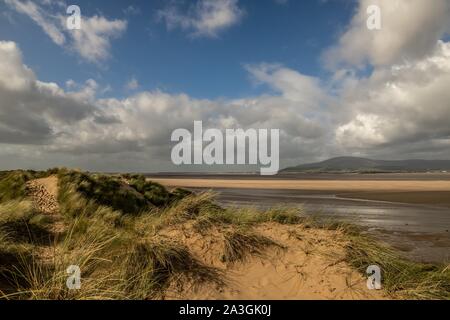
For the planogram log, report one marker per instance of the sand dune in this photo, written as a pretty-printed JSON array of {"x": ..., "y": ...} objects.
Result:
[{"x": 311, "y": 266}]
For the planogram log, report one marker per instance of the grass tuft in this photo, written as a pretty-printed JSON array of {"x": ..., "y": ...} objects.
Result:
[
  {"x": 44, "y": 275},
  {"x": 400, "y": 277},
  {"x": 19, "y": 220},
  {"x": 152, "y": 266},
  {"x": 240, "y": 244}
]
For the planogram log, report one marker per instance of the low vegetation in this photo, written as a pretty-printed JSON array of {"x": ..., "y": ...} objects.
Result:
[
  {"x": 130, "y": 194},
  {"x": 414, "y": 280},
  {"x": 13, "y": 185},
  {"x": 241, "y": 243},
  {"x": 151, "y": 266},
  {"x": 117, "y": 230}
]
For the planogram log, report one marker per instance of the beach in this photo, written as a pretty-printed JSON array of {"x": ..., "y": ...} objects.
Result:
[{"x": 411, "y": 212}]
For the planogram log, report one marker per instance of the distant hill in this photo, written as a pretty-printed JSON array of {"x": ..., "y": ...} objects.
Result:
[{"x": 354, "y": 164}]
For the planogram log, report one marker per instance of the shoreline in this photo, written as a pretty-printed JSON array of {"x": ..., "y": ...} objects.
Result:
[{"x": 415, "y": 221}]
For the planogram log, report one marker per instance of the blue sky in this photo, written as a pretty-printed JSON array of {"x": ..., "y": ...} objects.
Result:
[
  {"x": 108, "y": 96},
  {"x": 294, "y": 33}
]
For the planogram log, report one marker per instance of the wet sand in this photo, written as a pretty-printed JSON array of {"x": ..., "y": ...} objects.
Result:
[{"x": 412, "y": 215}]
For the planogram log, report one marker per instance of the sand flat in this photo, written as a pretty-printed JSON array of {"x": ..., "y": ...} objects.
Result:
[{"x": 316, "y": 185}]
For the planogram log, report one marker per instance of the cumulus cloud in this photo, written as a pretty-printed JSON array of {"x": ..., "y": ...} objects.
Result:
[
  {"x": 399, "y": 108},
  {"x": 145, "y": 120},
  {"x": 205, "y": 18},
  {"x": 409, "y": 30},
  {"x": 403, "y": 103},
  {"x": 31, "y": 111},
  {"x": 14, "y": 75},
  {"x": 92, "y": 42}
]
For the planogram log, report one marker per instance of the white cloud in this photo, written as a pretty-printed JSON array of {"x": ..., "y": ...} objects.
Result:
[
  {"x": 40, "y": 17},
  {"x": 32, "y": 111},
  {"x": 363, "y": 131},
  {"x": 206, "y": 18},
  {"x": 92, "y": 42},
  {"x": 13, "y": 74},
  {"x": 70, "y": 84},
  {"x": 401, "y": 108},
  {"x": 292, "y": 84},
  {"x": 400, "y": 104},
  {"x": 410, "y": 30}
]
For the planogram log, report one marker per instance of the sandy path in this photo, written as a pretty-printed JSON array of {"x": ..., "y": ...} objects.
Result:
[
  {"x": 319, "y": 185},
  {"x": 44, "y": 193},
  {"x": 50, "y": 184}
]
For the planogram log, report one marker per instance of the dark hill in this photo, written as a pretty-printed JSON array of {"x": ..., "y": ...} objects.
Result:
[{"x": 354, "y": 164}]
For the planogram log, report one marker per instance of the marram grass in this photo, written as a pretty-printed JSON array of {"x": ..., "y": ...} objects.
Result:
[{"x": 123, "y": 257}]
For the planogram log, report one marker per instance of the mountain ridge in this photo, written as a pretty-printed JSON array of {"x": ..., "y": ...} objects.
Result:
[{"x": 357, "y": 164}]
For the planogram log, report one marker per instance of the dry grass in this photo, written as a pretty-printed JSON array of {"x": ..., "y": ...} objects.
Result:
[
  {"x": 239, "y": 244},
  {"x": 401, "y": 277},
  {"x": 44, "y": 276},
  {"x": 152, "y": 266},
  {"x": 20, "y": 221},
  {"x": 248, "y": 216}
]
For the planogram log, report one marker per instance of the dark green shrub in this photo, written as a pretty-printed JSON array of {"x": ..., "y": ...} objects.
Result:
[
  {"x": 155, "y": 193},
  {"x": 107, "y": 191},
  {"x": 179, "y": 194}
]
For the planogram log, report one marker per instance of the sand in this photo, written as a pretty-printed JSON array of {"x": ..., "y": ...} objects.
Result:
[
  {"x": 311, "y": 266},
  {"x": 319, "y": 185},
  {"x": 44, "y": 193}
]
